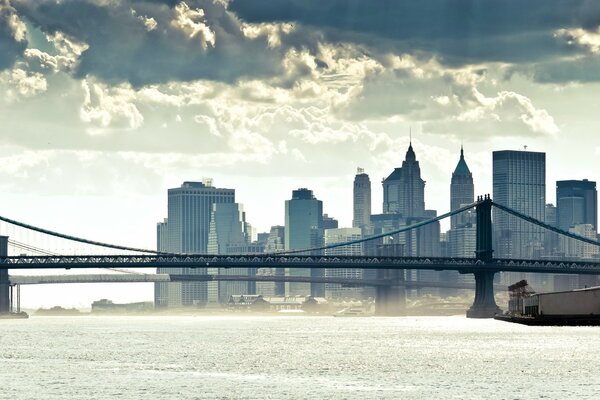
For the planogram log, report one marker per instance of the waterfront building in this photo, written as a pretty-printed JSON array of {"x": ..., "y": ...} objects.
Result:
[
  {"x": 304, "y": 230},
  {"x": 361, "y": 200},
  {"x": 188, "y": 224},
  {"x": 342, "y": 235}
]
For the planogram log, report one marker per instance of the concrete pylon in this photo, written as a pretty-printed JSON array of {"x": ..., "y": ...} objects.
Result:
[{"x": 4, "y": 282}]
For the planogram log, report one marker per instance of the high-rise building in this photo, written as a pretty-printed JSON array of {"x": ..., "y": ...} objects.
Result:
[
  {"x": 303, "y": 230},
  {"x": 361, "y": 200},
  {"x": 519, "y": 182},
  {"x": 227, "y": 235},
  {"x": 274, "y": 243},
  {"x": 342, "y": 235},
  {"x": 404, "y": 190},
  {"x": 188, "y": 224},
  {"x": 576, "y": 203},
  {"x": 329, "y": 222},
  {"x": 166, "y": 294},
  {"x": 462, "y": 191}
]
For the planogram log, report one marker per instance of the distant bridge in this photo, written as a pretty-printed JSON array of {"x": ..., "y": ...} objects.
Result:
[{"x": 162, "y": 278}]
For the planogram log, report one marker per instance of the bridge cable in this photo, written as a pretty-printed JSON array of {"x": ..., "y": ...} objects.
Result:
[
  {"x": 378, "y": 236},
  {"x": 78, "y": 239},
  {"x": 544, "y": 225}
]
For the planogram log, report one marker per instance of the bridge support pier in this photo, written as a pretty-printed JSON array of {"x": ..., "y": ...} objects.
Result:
[
  {"x": 391, "y": 299},
  {"x": 4, "y": 282},
  {"x": 484, "y": 305}
]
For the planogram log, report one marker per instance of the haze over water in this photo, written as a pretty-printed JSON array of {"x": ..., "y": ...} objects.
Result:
[{"x": 251, "y": 357}]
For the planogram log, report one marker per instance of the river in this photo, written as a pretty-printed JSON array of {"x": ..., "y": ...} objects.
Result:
[{"x": 294, "y": 357}]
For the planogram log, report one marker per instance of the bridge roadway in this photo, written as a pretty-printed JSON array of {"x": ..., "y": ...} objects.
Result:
[
  {"x": 150, "y": 278},
  {"x": 463, "y": 265}
]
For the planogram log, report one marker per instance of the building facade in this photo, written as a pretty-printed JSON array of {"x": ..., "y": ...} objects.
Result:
[
  {"x": 303, "y": 230},
  {"x": 576, "y": 203},
  {"x": 188, "y": 225},
  {"x": 519, "y": 182},
  {"x": 404, "y": 190},
  {"x": 343, "y": 235},
  {"x": 361, "y": 200}
]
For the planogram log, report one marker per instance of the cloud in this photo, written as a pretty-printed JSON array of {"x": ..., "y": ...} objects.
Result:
[
  {"x": 12, "y": 35},
  {"x": 109, "y": 108},
  {"x": 18, "y": 83},
  {"x": 143, "y": 42},
  {"x": 458, "y": 32},
  {"x": 508, "y": 113}
]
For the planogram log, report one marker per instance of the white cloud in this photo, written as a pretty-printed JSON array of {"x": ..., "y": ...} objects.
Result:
[
  {"x": 193, "y": 22},
  {"x": 581, "y": 37},
  {"x": 16, "y": 25},
  {"x": 18, "y": 83},
  {"x": 109, "y": 108}
]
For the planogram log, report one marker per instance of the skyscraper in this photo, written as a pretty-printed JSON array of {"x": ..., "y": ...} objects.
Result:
[
  {"x": 404, "y": 190},
  {"x": 303, "y": 230},
  {"x": 361, "y": 200},
  {"x": 519, "y": 182},
  {"x": 227, "y": 232},
  {"x": 461, "y": 190},
  {"x": 576, "y": 203},
  {"x": 461, "y": 238},
  {"x": 188, "y": 224}
]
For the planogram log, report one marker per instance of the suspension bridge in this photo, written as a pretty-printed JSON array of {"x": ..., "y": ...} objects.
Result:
[{"x": 390, "y": 282}]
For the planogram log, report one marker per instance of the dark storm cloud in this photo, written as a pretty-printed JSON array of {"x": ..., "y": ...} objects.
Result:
[
  {"x": 457, "y": 31},
  {"x": 11, "y": 46},
  {"x": 122, "y": 49}
]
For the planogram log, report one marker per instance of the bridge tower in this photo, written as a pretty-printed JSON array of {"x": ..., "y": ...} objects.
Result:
[
  {"x": 484, "y": 305},
  {"x": 4, "y": 282}
]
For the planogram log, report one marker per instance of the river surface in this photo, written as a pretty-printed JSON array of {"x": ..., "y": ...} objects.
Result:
[{"x": 245, "y": 357}]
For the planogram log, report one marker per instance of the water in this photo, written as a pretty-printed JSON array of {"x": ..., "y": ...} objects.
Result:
[{"x": 294, "y": 358}]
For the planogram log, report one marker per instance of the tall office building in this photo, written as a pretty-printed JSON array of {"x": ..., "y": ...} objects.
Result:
[
  {"x": 303, "y": 230},
  {"x": 404, "y": 190},
  {"x": 188, "y": 224},
  {"x": 519, "y": 182},
  {"x": 462, "y": 191},
  {"x": 227, "y": 235},
  {"x": 576, "y": 203},
  {"x": 342, "y": 235},
  {"x": 361, "y": 200}
]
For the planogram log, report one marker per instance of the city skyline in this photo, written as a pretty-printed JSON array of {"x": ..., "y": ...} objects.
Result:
[
  {"x": 266, "y": 101},
  {"x": 111, "y": 131}
]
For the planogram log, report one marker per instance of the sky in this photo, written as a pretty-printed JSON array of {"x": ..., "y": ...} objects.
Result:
[{"x": 105, "y": 104}]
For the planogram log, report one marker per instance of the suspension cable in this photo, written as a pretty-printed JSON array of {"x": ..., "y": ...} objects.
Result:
[
  {"x": 77, "y": 239},
  {"x": 378, "y": 236},
  {"x": 546, "y": 226}
]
